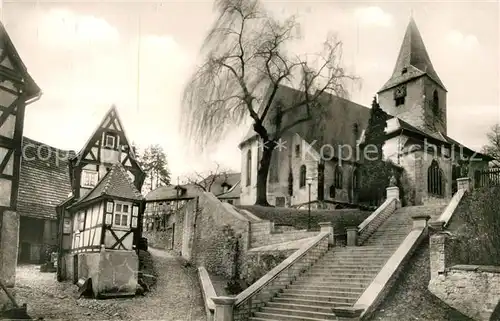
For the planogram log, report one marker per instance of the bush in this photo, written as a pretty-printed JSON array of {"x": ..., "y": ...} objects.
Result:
[{"x": 476, "y": 226}]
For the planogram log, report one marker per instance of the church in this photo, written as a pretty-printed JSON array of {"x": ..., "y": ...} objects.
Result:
[{"x": 414, "y": 97}]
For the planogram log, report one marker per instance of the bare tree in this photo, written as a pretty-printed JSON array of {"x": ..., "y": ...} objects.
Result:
[
  {"x": 493, "y": 147},
  {"x": 205, "y": 180},
  {"x": 245, "y": 56}
]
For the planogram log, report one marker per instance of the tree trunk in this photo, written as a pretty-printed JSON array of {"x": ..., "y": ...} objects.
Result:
[{"x": 262, "y": 173}]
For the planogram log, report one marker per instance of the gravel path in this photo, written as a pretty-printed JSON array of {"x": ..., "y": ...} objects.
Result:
[{"x": 176, "y": 296}]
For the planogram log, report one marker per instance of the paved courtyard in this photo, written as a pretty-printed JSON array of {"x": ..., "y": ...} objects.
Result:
[{"x": 176, "y": 297}]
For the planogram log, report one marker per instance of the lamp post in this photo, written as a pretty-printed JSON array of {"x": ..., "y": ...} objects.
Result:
[{"x": 309, "y": 183}]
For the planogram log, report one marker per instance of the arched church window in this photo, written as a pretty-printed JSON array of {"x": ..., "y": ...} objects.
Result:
[
  {"x": 338, "y": 177},
  {"x": 302, "y": 181},
  {"x": 249, "y": 167},
  {"x": 332, "y": 191},
  {"x": 435, "y": 185},
  {"x": 355, "y": 179},
  {"x": 435, "y": 102},
  {"x": 355, "y": 131},
  {"x": 477, "y": 178}
]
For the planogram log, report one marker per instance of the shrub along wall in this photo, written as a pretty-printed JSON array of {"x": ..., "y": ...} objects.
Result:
[{"x": 298, "y": 218}]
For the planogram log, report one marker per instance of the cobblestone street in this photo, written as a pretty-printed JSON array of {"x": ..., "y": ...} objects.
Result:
[{"x": 176, "y": 297}]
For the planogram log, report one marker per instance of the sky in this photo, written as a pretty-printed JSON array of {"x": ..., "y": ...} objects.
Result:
[{"x": 88, "y": 55}]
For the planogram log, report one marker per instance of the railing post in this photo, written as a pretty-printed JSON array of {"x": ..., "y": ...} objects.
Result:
[
  {"x": 464, "y": 183},
  {"x": 223, "y": 308},
  {"x": 328, "y": 227},
  {"x": 352, "y": 236}
]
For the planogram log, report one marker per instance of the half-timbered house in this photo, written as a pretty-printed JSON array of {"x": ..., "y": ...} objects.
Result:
[
  {"x": 107, "y": 146},
  {"x": 17, "y": 90},
  {"x": 104, "y": 224}
]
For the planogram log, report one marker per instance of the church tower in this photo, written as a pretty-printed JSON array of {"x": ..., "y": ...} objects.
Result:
[{"x": 414, "y": 93}]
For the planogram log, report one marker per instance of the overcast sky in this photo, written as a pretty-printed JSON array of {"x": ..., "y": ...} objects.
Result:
[{"x": 85, "y": 57}]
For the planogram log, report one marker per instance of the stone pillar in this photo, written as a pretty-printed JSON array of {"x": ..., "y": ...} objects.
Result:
[
  {"x": 464, "y": 183},
  {"x": 8, "y": 255},
  {"x": 393, "y": 192},
  {"x": 327, "y": 227},
  {"x": 223, "y": 308},
  {"x": 352, "y": 236},
  {"x": 439, "y": 245},
  {"x": 420, "y": 221}
]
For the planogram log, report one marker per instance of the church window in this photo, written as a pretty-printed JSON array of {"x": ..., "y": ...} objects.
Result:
[
  {"x": 355, "y": 179},
  {"x": 297, "y": 150},
  {"x": 404, "y": 71},
  {"x": 435, "y": 175},
  {"x": 338, "y": 177},
  {"x": 435, "y": 102},
  {"x": 399, "y": 95},
  {"x": 321, "y": 181},
  {"x": 332, "y": 191},
  {"x": 355, "y": 130},
  {"x": 302, "y": 176},
  {"x": 477, "y": 179},
  {"x": 249, "y": 167}
]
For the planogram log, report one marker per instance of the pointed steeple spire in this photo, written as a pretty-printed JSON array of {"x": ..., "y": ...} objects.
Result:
[{"x": 413, "y": 60}]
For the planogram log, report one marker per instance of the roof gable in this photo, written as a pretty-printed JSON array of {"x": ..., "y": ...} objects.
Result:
[
  {"x": 413, "y": 60},
  {"x": 11, "y": 64},
  {"x": 115, "y": 183}
]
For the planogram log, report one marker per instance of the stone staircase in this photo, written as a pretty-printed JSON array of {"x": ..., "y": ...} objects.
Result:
[{"x": 340, "y": 277}]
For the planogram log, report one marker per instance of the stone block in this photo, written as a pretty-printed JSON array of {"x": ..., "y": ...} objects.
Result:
[
  {"x": 9, "y": 246},
  {"x": 420, "y": 221},
  {"x": 393, "y": 192},
  {"x": 352, "y": 236}
]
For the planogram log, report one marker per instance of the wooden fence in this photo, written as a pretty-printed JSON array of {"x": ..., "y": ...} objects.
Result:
[{"x": 488, "y": 177}]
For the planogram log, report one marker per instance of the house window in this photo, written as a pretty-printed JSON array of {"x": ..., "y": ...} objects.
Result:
[
  {"x": 122, "y": 213},
  {"x": 302, "y": 181},
  {"x": 249, "y": 167},
  {"x": 297, "y": 150},
  {"x": 109, "y": 140},
  {"x": 89, "y": 178},
  {"x": 338, "y": 177},
  {"x": 435, "y": 179},
  {"x": 290, "y": 183},
  {"x": 435, "y": 102}
]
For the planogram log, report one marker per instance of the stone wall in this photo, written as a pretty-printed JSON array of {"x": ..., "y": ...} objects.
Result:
[
  {"x": 264, "y": 233},
  {"x": 473, "y": 290},
  {"x": 257, "y": 264}
]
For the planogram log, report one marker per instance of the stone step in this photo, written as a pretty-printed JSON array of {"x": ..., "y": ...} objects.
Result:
[
  {"x": 343, "y": 274},
  {"x": 315, "y": 297},
  {"x": 334, "y": 268},
  {"x": 299, "y": 313},
  {"x": 302, "y": 307},
  {"x": 331, "y": 284},
  {"x": 279, "y": 317},
  {"x": 331, "y": 293},
  {"x": 326, "y": 287},
  {"x": 321, "y": 303}
]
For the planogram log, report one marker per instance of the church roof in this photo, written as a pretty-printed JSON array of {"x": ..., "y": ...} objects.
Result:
[
  {"x": 413, "y": 60},
  {"x": 333, "y": 124},
  {"x": 115, "y": 183}
]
